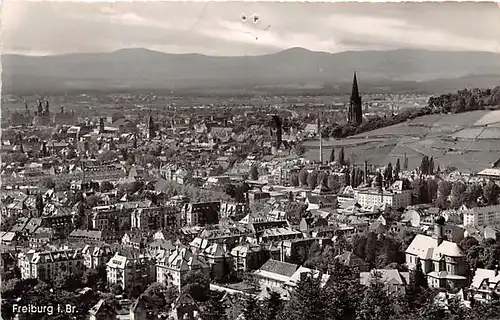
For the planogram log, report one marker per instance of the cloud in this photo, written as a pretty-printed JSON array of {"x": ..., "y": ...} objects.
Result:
[
  {"x": 401, "y": 33},
  {"x": 217, "y": 28}
]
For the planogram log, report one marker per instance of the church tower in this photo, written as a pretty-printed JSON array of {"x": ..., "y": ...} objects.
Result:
[
  {"x": 355, "y": 110},
  {"x": 101, "y": 125},
  {"x": 151, "y": 128},
  {"x": 40, "y": 107}
]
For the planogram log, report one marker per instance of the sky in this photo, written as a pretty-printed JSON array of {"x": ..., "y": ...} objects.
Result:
[{"x": 246, "y": 28}]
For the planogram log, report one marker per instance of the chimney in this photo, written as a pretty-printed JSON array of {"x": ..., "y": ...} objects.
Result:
[
  {"x": 496, "y": 270},
  {"x": 438, "y": 229}
]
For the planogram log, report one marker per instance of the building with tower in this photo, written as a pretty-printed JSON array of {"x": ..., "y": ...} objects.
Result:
[
  {"x": 355, "y": 112},
  {"x": 151, "y": 127},
  {"x": 101, "y": 126},
  {"x": 441, "y": 261}
]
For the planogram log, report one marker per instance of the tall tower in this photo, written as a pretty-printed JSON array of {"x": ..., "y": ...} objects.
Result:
[
  {"x": 355, "y": 110},
  {"x": 101, "y": 125},
  {"x": 47, "y": 106},
  {"x": 320, "y": 140},
  {"x": 151, "y": 127},
  {"x": 40, "y": 107}
]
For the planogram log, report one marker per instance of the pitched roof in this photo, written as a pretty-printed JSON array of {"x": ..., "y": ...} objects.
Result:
[
  {"x": 392, "y": 276},
  {"x": 278, "y": 267}
]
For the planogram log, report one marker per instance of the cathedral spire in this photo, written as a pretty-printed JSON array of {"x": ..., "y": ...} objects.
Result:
[
  {"x": 355, "y": 115},
  {"x": 355, "y": 90}
]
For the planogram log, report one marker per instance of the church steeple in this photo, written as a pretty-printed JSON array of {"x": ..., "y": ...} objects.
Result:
[
  {"x": 151, "y": 127},
  {"x": 355, "y": 106},
  {"x": 355, "y": 90}
]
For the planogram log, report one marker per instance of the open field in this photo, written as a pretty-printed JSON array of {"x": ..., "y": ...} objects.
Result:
[{"x": 469, "y": 141}]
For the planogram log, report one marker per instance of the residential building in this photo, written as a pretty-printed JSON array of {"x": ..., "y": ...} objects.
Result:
[
  {"x": 155, "y": 218},
  {"x": 201, "y": 213},
  {"x": 396, "y": 197},
  {"x": 128, "y": 268},
  {"x": 274, "y": 274},
  {"x": 485, "y": 284},
  {"x": 219, "y": 260},
  {"x": 301, "y": 273},
  {"x": 96, "y": 256},
  {"x": 394, "y": 280},
  {"x": 47, "y": 265},
  {"x": 248, "y": 257},
  {"x": 171, "y": 269},
  {"x": 349, "y": 259},
  {"x": 481, "y": 216}
]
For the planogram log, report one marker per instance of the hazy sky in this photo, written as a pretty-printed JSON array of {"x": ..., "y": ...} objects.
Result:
[{"x": 219, "y": 29}]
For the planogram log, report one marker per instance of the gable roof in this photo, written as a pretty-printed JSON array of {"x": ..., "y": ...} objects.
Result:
[
  {"x": 426, "y": 248},
  {"x": 390, "y": 276},
  {"x": 278, "y": 267}
]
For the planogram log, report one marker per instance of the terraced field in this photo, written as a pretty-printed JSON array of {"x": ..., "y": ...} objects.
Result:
[{"x": 469, "y": 141}]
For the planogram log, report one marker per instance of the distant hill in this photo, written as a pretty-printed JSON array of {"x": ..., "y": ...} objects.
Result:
[
  {"x": 468, "y": 141},
  {"x": 132, "y": 69}
]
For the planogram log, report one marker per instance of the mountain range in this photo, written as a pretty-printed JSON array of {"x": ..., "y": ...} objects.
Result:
[{"x": 292, "y": 69}]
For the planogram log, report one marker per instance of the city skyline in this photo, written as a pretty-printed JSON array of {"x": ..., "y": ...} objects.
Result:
[{"x": 238, "y": 29}]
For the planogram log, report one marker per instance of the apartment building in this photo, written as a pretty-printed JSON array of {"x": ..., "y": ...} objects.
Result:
[
  {"x": 481, "y": 216},
  {"x": 155, "y": 218},
  {"x": 47, "y": 265},
  {"x": 128, "y": 268}
]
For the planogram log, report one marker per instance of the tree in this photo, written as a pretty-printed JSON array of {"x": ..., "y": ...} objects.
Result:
[
  {"x": 332, "y": 156},
  {"x": 39, "y": 204},
  {"x": 47, "y": 183},
  {"x": 444, "y": 190},
  {"x": 371, "y": 248},
  {"x": 312, "y": 179},
  {"x": 405, "y": 162},
  {"x": 424, "y": 165},
  {"x": 254, "y": 172},
  {"x": 388, "y": 174},
  {"x": 321, "y": 179},
  {"x": 457, "y": 194},
  {"x": 376, "y": 303},
  {"x": 491, "y": 192},
  {"x": 308, "y": 301},
  {"x": 294, "y": 179},
  {"x": 196, "y": 284},
  {"x": 251, "y": 282},
  {"x": 417, "y": 279},
  {"x": 303, "y": 174},
  {"x": 116, "y": 289},
  {"x": 91, "y": 201},
  {"x": 359, "y": 246},
  {"x": 90, "y": 278},
  {"x": 342, "y": 157},
  {"x": 333, "y": 183},
  {"x": 106, "y": 186},
  {"x": 432, "y": 189},
  {"x": 67, "y": 281},
  {"x": 252, "y": 309},
  {"x": 271, "y": 306},
  {"x": 71, "y": 154},
  {"x": 214, "y": 309},
  {"x": 155, "y": 298},
  {"x": 423, "y": 191},
  {"x": 300, "y": 149},
  {"x": 472, "y": 193},
  {"x": 397, "y": 170},
  {"x": 347, "y": 178}
]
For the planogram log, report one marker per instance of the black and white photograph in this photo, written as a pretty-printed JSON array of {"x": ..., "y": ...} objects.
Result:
[{"x": 265, "y": 160}]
